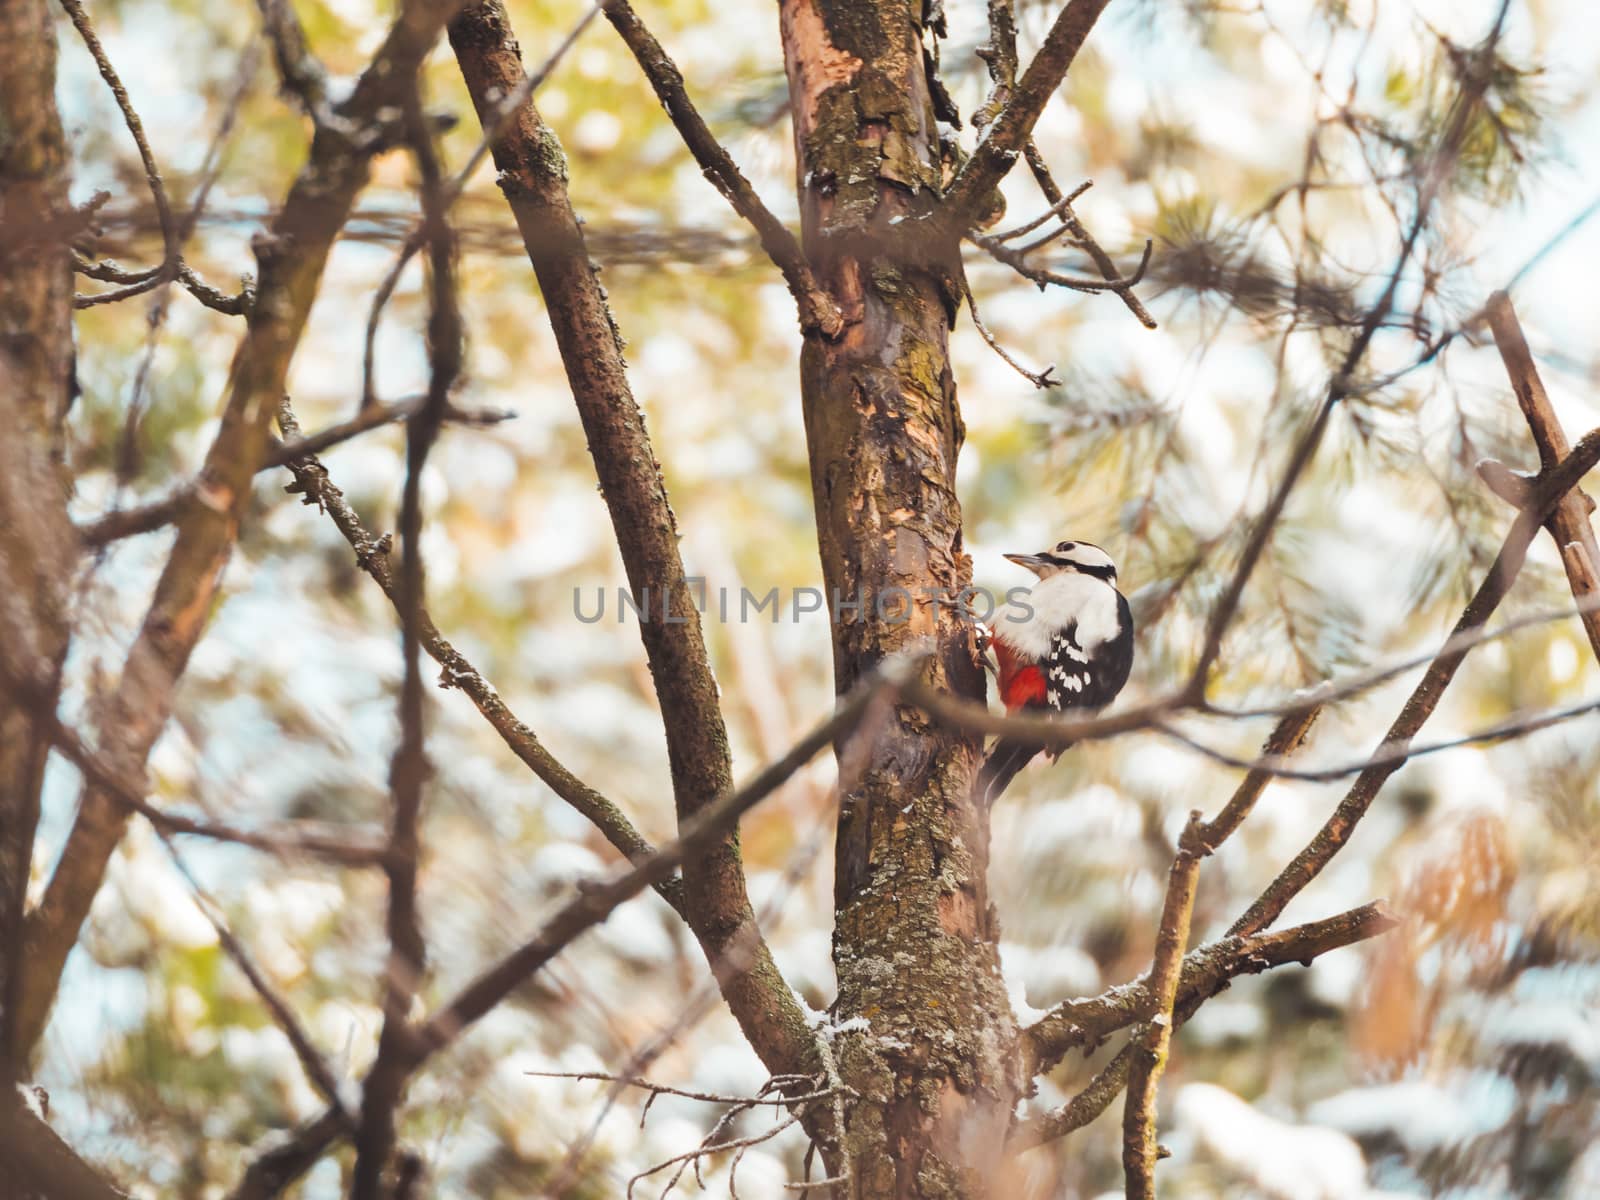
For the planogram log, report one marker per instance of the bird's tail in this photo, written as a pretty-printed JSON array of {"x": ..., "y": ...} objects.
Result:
[{"x": 1005, "y": 759}]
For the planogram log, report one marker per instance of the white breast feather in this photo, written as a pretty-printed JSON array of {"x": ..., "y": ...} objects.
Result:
[{"x": 1055, "y": 602}]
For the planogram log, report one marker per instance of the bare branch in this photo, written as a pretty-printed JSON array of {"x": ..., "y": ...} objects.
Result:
[
  {"x": 1017, "y": 260},
  {"x": 1286, "y": 738},
  {"x": 817, "y": 309},
  {"x": 146, "y": 518},
  {"x": 375, "y": 1136},
  {"x": 1568, "y": 523},
  {"x": 1425, "y": 697},
  {"x": 592, "y": 904},
  {"x": 156, "y": 318},
  {"x": 1039, "y": 379},
  {"x": 110, "y": 272},
  {"x": 39, "y": 1163},
  {"x": 968, "y": 194},
  {"x": 311, "y": 479},
  {"x": 1080, "y": 234},
  {"x": 716, "y": 901},
  {"x": 152, "y": 173},
  {"x": 291, "y": 256},
  {"x": 311, "y": 1062},
  {"x": 1152, "y": 1044},
  {"x": 1206, "y": 972},
  {"x": 295, "y": 837}
]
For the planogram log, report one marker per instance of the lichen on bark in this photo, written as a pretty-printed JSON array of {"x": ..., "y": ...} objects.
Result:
[{"x": 915, "y": 938}]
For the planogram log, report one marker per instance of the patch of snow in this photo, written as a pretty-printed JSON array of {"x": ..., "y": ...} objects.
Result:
[
  {"x": 1286, "y": 1161},
  {"x": 1425, "y": 1115}
]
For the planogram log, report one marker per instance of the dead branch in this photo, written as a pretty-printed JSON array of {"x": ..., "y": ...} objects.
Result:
[
  {"x": 1017, "y": 259},
  {"x": 110, "y": 272},
  {"x": 817, "y": 309},
  {"x": 1568, "y": 522},
  {"x": 1000, "y": 56},
  {"x": 777, "y": 1092},
  {"x": 152, "y": 173},
  {"x": 1039, "y": 379},
  {"x": 1080, "y": 234}
]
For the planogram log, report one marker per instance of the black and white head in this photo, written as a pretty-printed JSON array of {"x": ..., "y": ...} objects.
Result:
[{"x": 1084, "y": 558}]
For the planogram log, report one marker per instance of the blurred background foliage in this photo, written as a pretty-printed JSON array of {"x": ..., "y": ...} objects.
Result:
[{"x": 1456, "y": 1057}]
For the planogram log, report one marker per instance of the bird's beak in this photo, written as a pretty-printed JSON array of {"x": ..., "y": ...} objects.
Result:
[{"x": 1032, "y": 561}]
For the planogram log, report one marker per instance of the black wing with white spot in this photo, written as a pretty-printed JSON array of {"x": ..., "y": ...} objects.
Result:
[{"x": 1076, "y": 678}]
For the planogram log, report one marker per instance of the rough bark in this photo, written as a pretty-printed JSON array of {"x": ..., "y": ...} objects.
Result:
[
  {"x": 37, "y": 541},
  {"x": 915, "y": 937}
]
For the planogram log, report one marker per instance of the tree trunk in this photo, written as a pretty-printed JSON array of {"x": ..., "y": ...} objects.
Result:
[
  {"x": 37, "y": 541},
  {"x": 915, "y": 937}
]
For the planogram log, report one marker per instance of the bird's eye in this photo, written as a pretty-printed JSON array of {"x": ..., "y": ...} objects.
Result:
[{"x": 1063, "y": 547}]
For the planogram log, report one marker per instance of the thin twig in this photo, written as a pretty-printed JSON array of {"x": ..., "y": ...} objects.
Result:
[
  {"x": 1393, "y": 756},
  {"x": 152, "y": 173},
  {"x": 146, "y": 518},
  {"x": 311, "y": 1062},
  {"x": 1039, "y": 379},
  {"x": 1152, "y": 1044},
  {"x": 1080, "y": 232},
  {"x": 312, "y": 480},
  {"x": 817, "y": 309},
  {"x": 1206, "y": 972},
  {"x": 407, "y": 950},
  {"x": 417, "y": 238},
  {"x": 1396, "y": 744}
]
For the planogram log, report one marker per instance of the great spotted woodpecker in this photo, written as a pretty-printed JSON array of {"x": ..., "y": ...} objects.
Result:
[{"x": 1067, "y": 645}]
